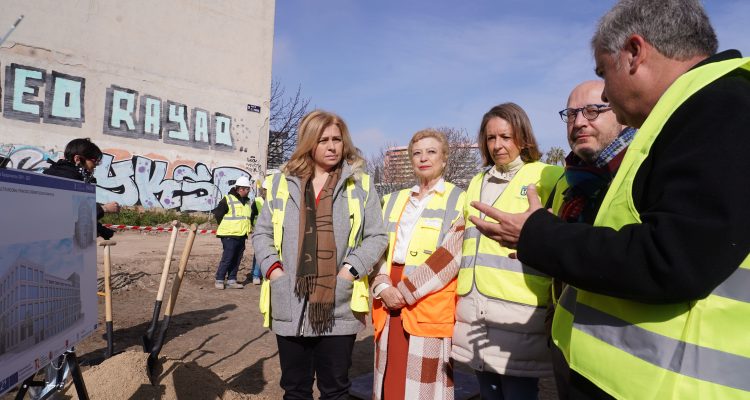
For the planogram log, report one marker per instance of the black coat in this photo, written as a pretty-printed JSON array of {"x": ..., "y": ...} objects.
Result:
[{"x": 691, "y": 193}]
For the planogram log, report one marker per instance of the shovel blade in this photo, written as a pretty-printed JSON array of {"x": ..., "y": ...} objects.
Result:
[
  {"x": 148, "y": 337},
  {"x": 153, "y": 368}
]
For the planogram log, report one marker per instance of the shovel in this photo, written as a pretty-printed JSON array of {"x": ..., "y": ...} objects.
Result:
[
  {"x": 108, "y": 294},
  {"x": 148, "y": 337},
  {"x": 156, "y": 348}
]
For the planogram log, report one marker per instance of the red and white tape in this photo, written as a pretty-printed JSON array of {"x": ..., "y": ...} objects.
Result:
[{"x": 158, "y": 229}]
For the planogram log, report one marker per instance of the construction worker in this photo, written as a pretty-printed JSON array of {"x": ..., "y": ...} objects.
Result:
[{"x": 233, "y": 215}]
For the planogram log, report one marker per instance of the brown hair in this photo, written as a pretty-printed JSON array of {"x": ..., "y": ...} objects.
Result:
[
  {"x": 310, "y": 130},
  {"x": 523, "y": 135}
]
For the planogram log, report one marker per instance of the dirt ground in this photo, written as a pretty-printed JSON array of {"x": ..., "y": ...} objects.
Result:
[{"x": 216, "y": 346}]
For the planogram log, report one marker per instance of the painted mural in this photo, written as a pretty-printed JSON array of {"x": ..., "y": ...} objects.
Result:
[
  {"x": 146, "y": 180},
  {"x": 126, "y": 112},
  {"x": 43, "y": 96}
]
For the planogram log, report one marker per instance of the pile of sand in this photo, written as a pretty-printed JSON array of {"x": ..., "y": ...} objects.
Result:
[{"x": 124, "y": 376}]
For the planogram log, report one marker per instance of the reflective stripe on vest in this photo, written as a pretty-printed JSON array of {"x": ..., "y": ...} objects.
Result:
[
  {"x": 485, "y": 263},
  {"x": 236, "y": 222},
  {"x": 434, "y": 314},
  {"x": 698, "y": 349}
]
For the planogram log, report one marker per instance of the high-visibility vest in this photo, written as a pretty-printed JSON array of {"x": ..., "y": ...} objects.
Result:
[
  {"x": 434, "y": 314},
  {"x": 258, "y": 206},
  {"x": 357, "y": 192},
  {"x": 691, "y": 350},
  {"x": 236, "y": 221},
  {"x": 485, "y": 263}
]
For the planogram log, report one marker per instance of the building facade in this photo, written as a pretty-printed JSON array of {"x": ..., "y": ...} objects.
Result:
[
  {"x": 35, "y": 305},
  {"x": 175, "y": 92}
]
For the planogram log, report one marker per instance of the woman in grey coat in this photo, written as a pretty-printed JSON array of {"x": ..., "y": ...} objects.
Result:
[{"x": 321, "y": 230}]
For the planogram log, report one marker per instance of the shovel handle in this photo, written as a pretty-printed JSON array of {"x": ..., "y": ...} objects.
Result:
[
  {"x": 167, "y": 262},
  {"x": 181, "y": 270},
  {"x": 107, "y": 279}
]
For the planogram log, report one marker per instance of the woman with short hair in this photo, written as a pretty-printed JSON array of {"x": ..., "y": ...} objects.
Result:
[{"x": 414, "y": 302}]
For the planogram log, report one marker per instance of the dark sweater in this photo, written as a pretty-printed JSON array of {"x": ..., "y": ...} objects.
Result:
[{"x": 691, "y": 193}]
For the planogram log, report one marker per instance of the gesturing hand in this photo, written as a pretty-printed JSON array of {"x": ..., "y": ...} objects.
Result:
[
  {"x": 508, "y": 228},
  {"x": 392, "y": 298}
]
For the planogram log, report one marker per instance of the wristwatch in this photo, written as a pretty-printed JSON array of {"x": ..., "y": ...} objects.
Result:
[{"x": 354, "y": 272}]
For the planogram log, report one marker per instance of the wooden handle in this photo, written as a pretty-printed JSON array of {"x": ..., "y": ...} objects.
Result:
[
  {"x": 167, "y": 261},
  {"x": 107, "y": 282},
  {"x": 181, "y": 270}
]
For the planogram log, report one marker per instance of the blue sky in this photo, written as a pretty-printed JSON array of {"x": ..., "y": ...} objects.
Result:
[{"x": 393, "y": 67}]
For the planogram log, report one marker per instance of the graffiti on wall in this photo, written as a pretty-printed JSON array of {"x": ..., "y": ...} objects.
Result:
[
  {"x": 36, "y": 95},
  {"x": 141, "y": 180}
]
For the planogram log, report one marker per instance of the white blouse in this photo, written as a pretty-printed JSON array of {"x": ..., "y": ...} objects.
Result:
[{"x": 407, "y": 222}]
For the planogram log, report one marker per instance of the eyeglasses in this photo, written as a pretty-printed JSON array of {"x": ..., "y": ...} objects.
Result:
[{"x": 589, "y": 111}]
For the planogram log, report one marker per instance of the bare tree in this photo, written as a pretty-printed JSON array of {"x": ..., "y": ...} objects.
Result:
[
  {"x": 391, "y": 170},
  {"x": 555, "y": 156},
  {"x": 464, "y": 160},
  {"x": 286, "y": 113}
]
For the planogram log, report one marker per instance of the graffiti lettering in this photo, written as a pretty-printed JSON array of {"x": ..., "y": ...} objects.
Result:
[
  {"x": 36, "y": 95},
  {"x": 142, "y": 181},
  {"x": 63, "y": 97},
  {"x": 27, "y": 157},
  {"x": 196, "y": 128}
]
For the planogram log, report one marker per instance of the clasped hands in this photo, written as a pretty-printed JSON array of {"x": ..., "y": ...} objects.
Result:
[{"x": 392, "y": 298}]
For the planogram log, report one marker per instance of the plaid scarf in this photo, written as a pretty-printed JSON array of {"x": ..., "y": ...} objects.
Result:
[
  {"x": 316, "y": 270},
  {"x": 588, "y": 182}
]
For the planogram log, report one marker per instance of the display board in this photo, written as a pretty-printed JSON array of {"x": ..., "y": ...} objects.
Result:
[{"x": 48, "y": 300}]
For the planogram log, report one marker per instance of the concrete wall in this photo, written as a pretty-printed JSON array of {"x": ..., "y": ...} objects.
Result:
[{"x": 175, "y": 92}]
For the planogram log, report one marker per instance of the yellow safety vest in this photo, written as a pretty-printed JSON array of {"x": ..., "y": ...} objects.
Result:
[
  {"x": 693, "y": 350},
  {"x": 434, "y": 314},
  {"x": 236, "y": 221},
  {"x": 485, "y": 263},
  {"x": 357, "y": 193}
]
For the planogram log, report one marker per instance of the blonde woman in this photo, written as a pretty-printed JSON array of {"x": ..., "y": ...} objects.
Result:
[
  {"x": 414, "y": 303},
  {"x": 319, "y": 230}
]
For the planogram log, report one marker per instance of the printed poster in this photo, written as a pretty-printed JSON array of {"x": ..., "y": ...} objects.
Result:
[{"x": 48, "y": 300}]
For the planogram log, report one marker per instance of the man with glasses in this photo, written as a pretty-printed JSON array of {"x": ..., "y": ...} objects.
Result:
[
  {"x": 657, "y": 304},
  {"x": 79, "y": 160},
  {"x": 598, "y": 143}
]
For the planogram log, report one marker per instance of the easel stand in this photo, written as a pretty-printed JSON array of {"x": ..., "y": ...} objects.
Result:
[{"x": 56, "y": 381}]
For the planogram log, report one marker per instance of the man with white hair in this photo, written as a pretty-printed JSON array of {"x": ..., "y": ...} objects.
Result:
[
  {"x": 658, "y": 301},
  {"x": 233, "y": 215}
]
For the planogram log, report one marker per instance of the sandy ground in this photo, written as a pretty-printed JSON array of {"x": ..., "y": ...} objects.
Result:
[{"x": 215, "y": 347}]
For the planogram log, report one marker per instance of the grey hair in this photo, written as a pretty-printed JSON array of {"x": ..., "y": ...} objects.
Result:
[{"x": 678, "y": 29}]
